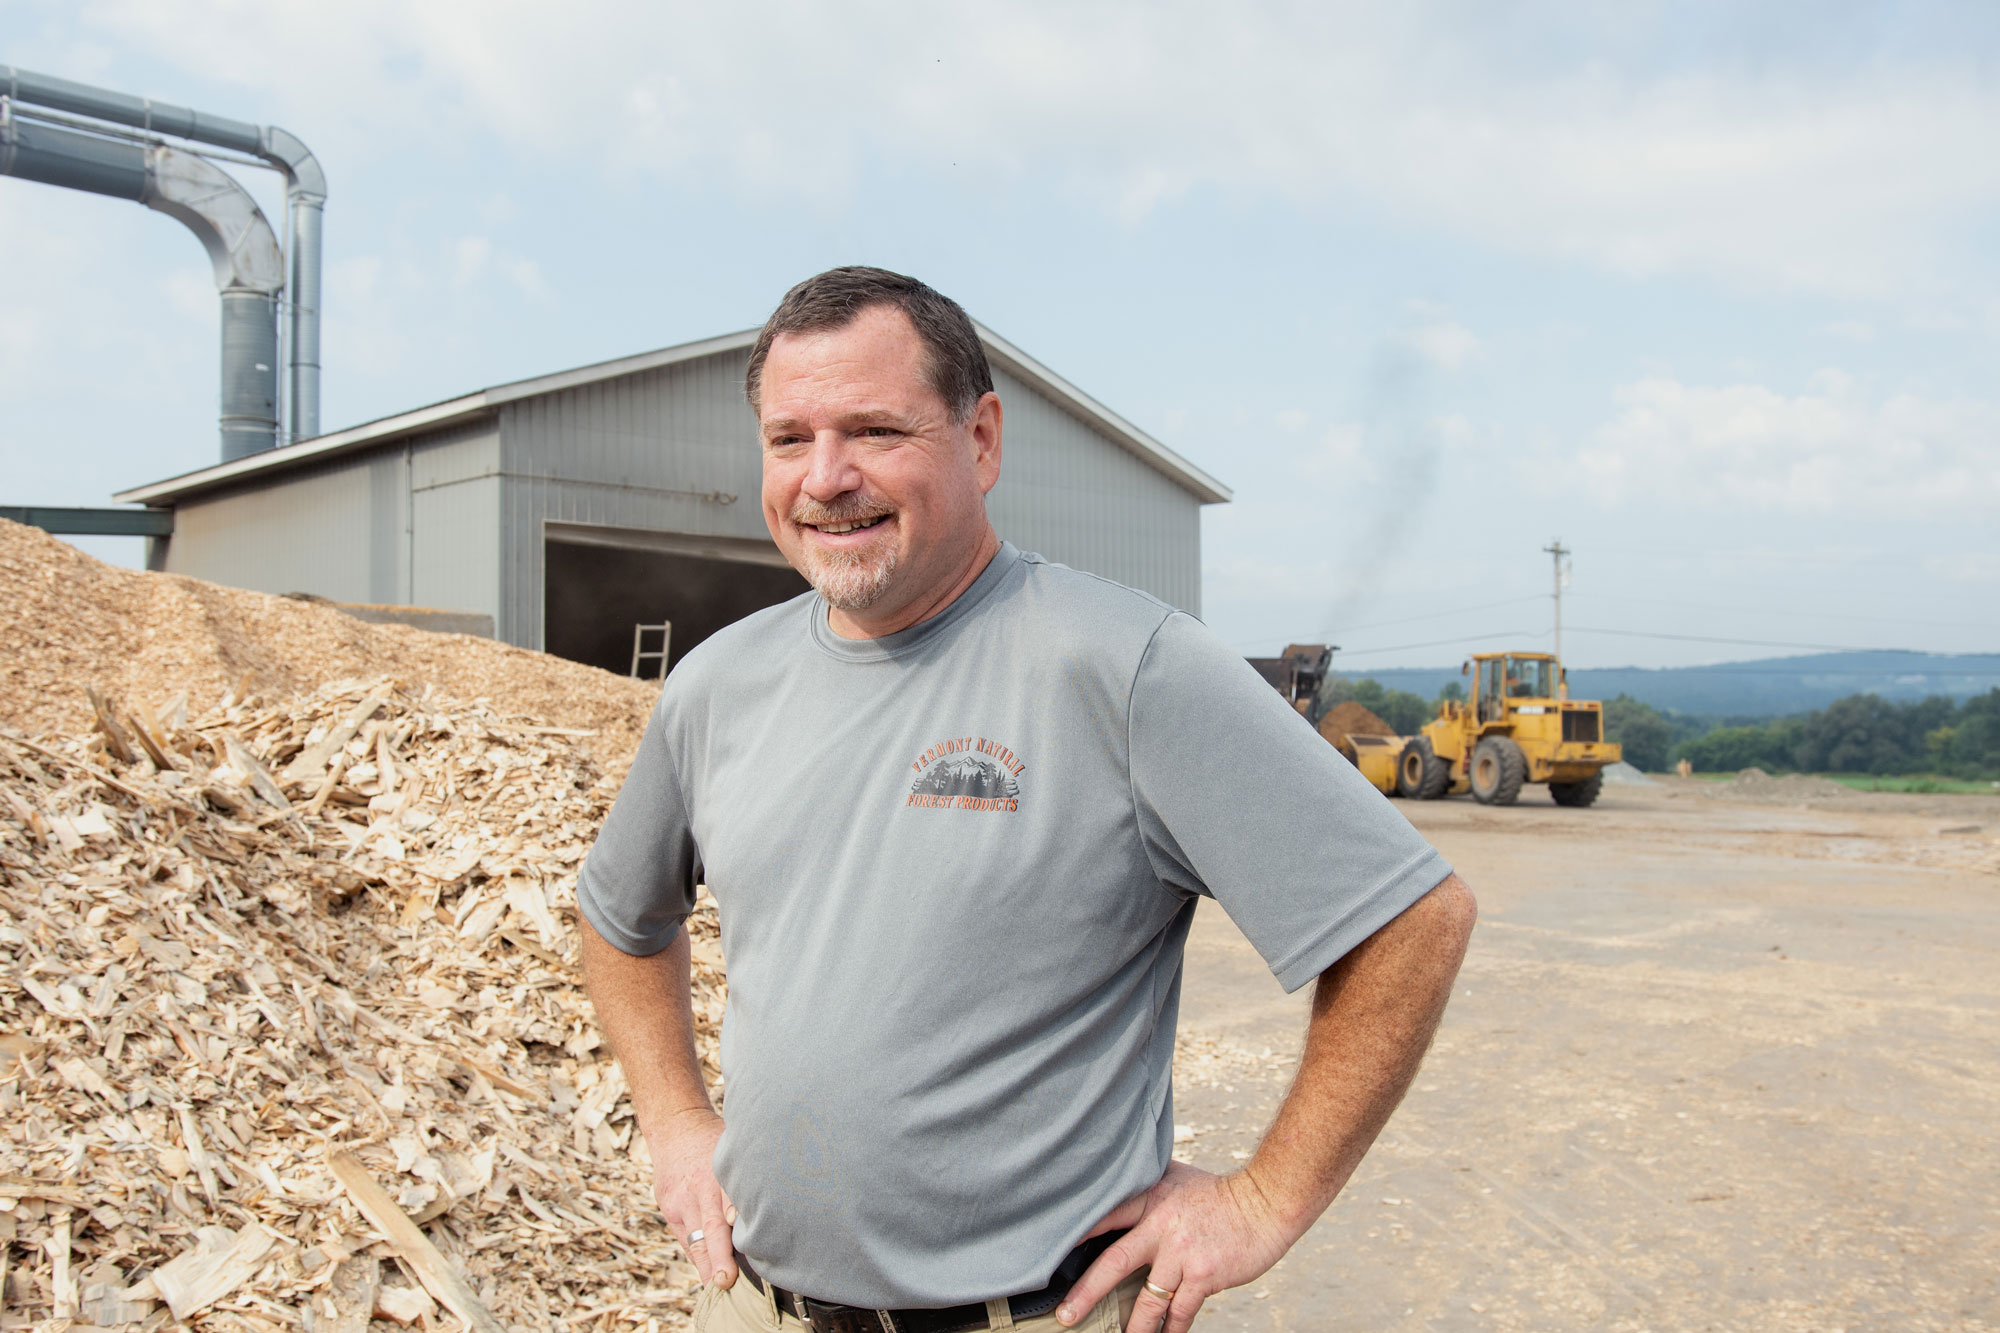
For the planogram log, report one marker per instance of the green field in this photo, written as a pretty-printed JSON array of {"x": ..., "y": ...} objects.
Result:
[{"x": 1923, "y": 784}]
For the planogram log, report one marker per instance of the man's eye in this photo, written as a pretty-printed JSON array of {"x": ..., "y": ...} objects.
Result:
[{"x": 879, "y": 431}]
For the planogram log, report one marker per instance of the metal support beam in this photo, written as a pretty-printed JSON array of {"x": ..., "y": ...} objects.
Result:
[{"x": 93, "y": 522}]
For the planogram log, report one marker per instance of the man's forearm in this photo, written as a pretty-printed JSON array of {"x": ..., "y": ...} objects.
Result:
[
  {"x": 645, "y": 1010},
  {"x": 1373, "y": 1016}
]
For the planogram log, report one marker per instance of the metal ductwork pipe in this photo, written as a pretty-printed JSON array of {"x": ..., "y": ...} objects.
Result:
[
  {"x": 305, "y": 201},
  {"x": 249, "y": 268}
]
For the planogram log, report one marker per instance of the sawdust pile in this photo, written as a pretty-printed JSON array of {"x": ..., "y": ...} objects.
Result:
[
  {"x": 290, "y": 978},
  {"x": 1351, "y": 719},
  {"x": 70, "y": 621}
]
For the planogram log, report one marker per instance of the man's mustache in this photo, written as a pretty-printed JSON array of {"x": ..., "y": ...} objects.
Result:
[{"x": 846, "y": 509}]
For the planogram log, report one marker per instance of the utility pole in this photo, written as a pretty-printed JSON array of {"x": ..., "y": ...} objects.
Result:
[{"x": 1558, "y": 551}]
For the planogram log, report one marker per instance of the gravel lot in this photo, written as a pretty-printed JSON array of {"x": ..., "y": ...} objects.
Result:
[{"x": 1714, "y": 1063}]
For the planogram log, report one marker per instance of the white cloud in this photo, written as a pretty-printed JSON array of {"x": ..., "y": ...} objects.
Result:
[
  {"x": 1439, "y": 339},
  {"x": 1830, "y": 450},
  {"x": 475, "y": 257},
  {"x": 1857, "y": 179}
]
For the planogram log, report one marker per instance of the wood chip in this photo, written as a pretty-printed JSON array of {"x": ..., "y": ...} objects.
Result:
[
  {"x": 436, "y": 1273},
  {"x": 352, "y": 1290},
  {"x": 405, "y": 1305}
]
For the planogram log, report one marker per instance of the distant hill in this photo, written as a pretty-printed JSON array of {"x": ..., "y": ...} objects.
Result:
[{"x": 1770, "y": 687}]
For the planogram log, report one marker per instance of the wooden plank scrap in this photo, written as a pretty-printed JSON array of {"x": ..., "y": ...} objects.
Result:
[
  {"x": 15, "y": 1188},
  {"x": 95, "y": 773},
  {"x": 146, "y": 729},
  {"x": 313, "y": 759},
  {"x": 438, "y": 1276},
  {"x": 64, "y": 1281},
  {"x": 220, "y": 1262},
  {"x": 115, "y": 739},
  {"x": 197, "y": 1153},
  {"x": 248, "y": 765}
]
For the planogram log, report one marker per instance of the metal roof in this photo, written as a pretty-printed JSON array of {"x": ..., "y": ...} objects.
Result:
[{"x": 486, "y": 402}]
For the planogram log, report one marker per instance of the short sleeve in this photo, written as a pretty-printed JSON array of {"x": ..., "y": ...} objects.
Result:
[
  {"x": 637, "y": 885},
  {"x": 1238, "y": 798}
]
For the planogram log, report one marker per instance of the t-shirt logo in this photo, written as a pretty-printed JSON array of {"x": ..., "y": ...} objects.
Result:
[{"x": 967, "y": 773}]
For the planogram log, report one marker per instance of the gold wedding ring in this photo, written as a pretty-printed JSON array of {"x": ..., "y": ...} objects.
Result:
[{"x": 1159, "y": 1290}]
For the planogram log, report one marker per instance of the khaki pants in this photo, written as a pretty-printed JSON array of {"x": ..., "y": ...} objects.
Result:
[{"x": 744, "y": 1309}]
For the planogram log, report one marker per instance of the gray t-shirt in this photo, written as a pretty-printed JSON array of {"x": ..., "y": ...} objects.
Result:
[{"x": 955, "y": 869}]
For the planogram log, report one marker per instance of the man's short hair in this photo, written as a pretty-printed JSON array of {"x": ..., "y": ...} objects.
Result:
[{"x": 956, "y": 361}]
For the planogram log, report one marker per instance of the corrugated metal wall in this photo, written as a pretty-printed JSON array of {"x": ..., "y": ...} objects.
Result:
[
  {"x": 344, "y": 529},
  {"x": 625, "y": 452},
  {"x": 1071, "y": 493},
  {"x": 455, "y": 489},
  {"x": 643, "y": 451}
]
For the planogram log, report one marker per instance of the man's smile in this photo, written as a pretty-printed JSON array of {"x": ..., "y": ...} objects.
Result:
[{"x": 855, "y": 525}]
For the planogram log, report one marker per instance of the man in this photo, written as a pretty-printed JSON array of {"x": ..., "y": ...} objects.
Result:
[{"x": 956, "y": 807}]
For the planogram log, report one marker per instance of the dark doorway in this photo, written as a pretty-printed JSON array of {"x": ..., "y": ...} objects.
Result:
[{"x": 594, "y": 595}]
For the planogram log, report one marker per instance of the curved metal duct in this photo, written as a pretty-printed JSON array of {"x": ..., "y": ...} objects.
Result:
[
  {"x": 249, "y": 267},
  {"x": 305, "y": 202}
]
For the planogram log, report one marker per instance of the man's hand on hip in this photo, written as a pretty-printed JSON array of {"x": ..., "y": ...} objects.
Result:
[
  {"x": 693, "y": 1203},
  {"x": 1373, "y": 1015},
  {"x": 1198, "y": 1233}
]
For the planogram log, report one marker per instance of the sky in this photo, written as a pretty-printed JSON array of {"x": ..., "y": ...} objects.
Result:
[{"x": 1709, "y": 292}]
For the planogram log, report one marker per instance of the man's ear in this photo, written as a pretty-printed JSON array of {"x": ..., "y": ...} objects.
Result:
[{"x": 986, "y": 422}]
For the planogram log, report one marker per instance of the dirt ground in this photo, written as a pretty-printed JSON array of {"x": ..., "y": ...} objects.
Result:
[{"x": 1711, "y": 1065}]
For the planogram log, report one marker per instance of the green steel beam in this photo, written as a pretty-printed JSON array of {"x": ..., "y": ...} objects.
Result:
[{"x": 93, "y": 522}]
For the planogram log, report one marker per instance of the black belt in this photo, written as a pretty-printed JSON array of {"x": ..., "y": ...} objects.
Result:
[{"x": 824, "y": 1318}]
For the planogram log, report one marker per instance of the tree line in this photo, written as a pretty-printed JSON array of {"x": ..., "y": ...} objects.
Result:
[{"x": 1863, "y": 733}]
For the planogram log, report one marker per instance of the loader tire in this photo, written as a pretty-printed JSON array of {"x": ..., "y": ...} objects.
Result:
[
  {"x": 1498, "y": 770},
  {"x": 1420, "y": 774},
  {"x": 1577, "y": 793}
]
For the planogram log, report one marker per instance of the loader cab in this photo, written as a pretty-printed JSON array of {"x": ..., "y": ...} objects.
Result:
[{"x": 1504, "y": 676}]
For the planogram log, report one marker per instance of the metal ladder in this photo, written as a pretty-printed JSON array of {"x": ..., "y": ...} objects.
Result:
[{"x": 640, "y": 653}]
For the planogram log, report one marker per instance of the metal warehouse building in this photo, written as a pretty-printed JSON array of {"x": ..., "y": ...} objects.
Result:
[{"x": 571, "y": 507}]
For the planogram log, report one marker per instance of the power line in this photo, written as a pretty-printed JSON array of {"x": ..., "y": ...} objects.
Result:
[
  {"x": 1642, "y": 634},
  {"x": 1457, "y": 638}
]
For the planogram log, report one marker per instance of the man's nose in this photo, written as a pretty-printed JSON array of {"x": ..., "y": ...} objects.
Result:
[{"x": 830, "y": 469}]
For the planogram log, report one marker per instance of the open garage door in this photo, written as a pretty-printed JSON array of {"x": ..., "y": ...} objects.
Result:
[{"x": 599, "y": 583}]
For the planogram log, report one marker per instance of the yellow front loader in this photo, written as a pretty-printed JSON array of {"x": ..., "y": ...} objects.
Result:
[{"x": 1520, "y": 726}]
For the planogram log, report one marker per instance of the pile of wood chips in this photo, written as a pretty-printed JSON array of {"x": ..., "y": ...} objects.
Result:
[
  {"x": 69, "y": 620},
  {"x": 291, "y": 1035},
  {"x": 1352, "y": 719}
]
